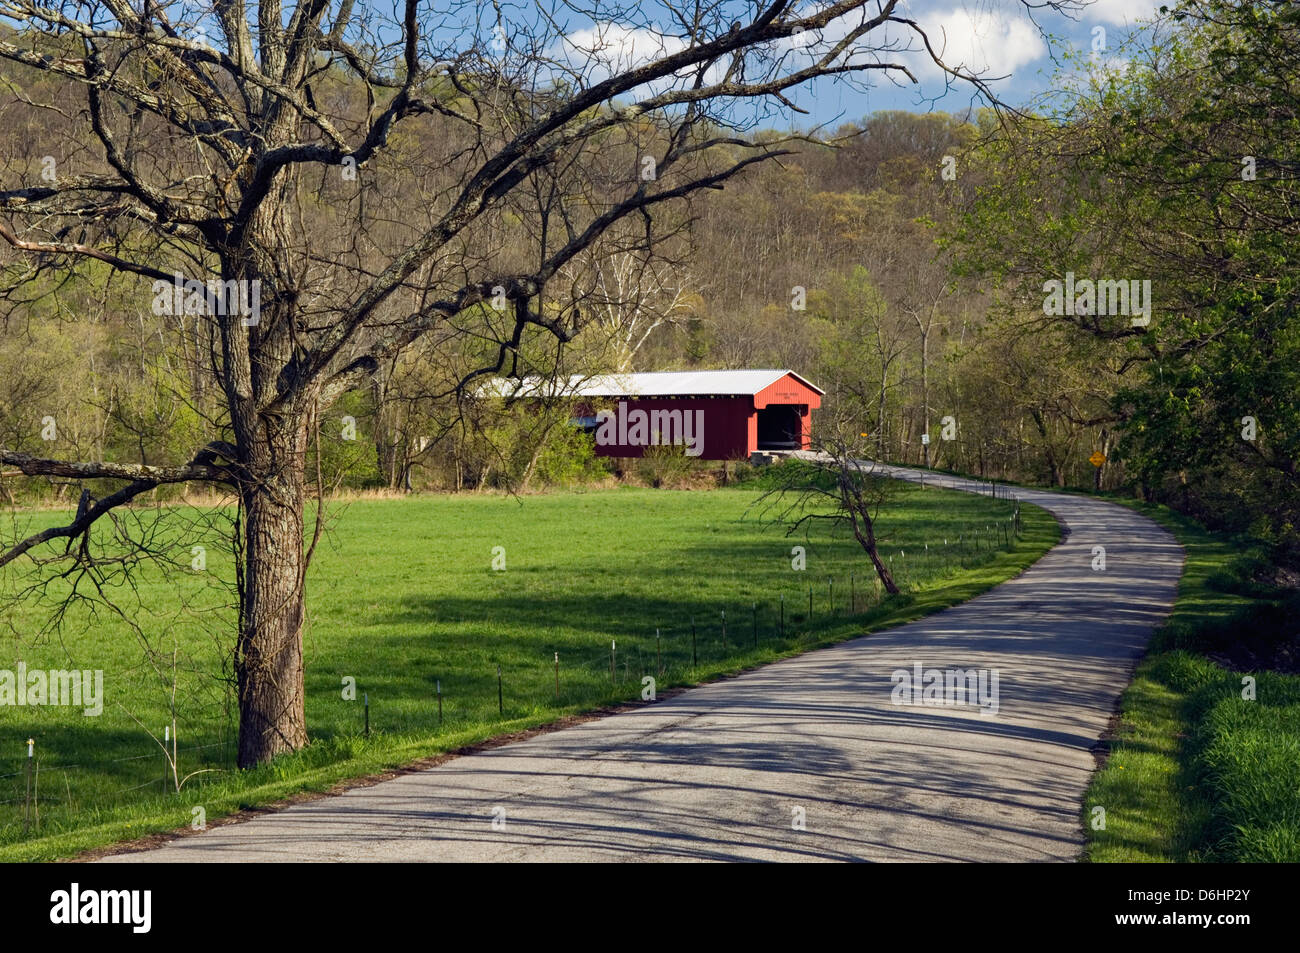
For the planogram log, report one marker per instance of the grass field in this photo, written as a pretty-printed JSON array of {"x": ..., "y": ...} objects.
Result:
[
  {"x": 1199, "y": 772},
  {"x": 402, "y": 595}
]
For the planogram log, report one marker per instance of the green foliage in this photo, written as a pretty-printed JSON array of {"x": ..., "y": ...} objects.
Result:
[
  {"x": 664, "y": 465},
  {"x": 1200, "y": 137},
  {"x": 1198, "y": 772},
  {"x": 791, "y": 472},
  {"x": 568, "y": 458},
  {"x": 346, "y": 448},
  {"x": 533, "y": 443}
]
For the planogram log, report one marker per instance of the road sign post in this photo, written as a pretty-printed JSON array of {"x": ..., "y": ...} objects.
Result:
[{"x": 1097, "y": 459}]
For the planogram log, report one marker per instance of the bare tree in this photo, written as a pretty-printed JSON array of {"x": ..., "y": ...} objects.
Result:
[
  {"x": 250, "y": 152},
  {"x": 636, "y": 296},
  {"x": 836, "y": 486}
]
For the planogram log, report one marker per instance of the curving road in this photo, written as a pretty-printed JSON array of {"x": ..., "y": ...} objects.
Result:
[{"x": 729, "y": 771}]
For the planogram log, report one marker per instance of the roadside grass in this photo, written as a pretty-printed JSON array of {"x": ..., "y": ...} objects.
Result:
[
  {"x": 402, "y": 597},
  {"x": 1197, "y": 772}
]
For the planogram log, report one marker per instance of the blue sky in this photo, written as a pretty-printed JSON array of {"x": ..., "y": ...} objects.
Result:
[
  {"x": 989, "y": 37},
  {"x": 997, "y": 38}
]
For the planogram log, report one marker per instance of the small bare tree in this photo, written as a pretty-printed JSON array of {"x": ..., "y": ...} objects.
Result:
[{"x": 834, "y": 485}]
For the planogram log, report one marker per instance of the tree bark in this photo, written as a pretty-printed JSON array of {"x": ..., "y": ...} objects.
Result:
[
  {"x": 866, "y": 537},
  {"x": 858, "y": 509},
  {"x": 886, "y": 577},
  {"x": 268, "y": 663},
  {"x": 925, "y": 392},
  {"x": 880, "y": 412},
  {"x": 272, "y": 449}
]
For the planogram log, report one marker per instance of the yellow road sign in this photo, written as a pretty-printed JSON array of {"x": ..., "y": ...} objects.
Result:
[{"x": 1097, "y": 458}]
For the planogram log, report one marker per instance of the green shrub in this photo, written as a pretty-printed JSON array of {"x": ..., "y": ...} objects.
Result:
[
  {"x": 664, "y": 465},
  {"x": 569, "y": 458}
]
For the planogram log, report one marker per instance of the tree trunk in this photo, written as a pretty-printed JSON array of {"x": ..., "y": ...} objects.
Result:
[
  {"x": 864, "y": 531},
  {"x": 867, "y": 538},
  {"x": 925, "y": 393},
  {"x": 880, "y": 414},
  {"x": 268, "y": 661},
  {"x": 886, "y": 577},
  {"x": 272, "y": 451},
  {"x": 1105, "y": 451},
  {"x": 382, "y": 449},
  {"x": 529, "y": 470},
  {"x": 1057, "y": 474}
]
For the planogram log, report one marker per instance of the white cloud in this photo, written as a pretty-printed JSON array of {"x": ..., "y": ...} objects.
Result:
[
  {"x": 608, "y": 48},
  {"x": 981, "y": 39},
  {"x": 989, "y": 38}
]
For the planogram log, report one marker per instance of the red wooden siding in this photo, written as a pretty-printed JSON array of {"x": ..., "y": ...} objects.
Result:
[{"x": 731, "y": 428}]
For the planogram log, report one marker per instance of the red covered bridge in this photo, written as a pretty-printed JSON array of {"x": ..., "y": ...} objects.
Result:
[{"x": 717, "y": 415}]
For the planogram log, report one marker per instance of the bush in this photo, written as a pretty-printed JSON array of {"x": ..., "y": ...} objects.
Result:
[
  {"x": 664, "y": 465},
  {"x": 352, "y": 461},
  {"x": 1252, "y": 573},
  {"x": 570, "y": 458}
]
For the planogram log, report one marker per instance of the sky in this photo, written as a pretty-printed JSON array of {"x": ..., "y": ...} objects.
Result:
[
  {"x": 1015, "y": 39},
  {"x": 996, "y": 38}
]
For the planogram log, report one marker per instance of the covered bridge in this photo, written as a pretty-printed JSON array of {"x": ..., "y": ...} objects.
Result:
[{"x": 717, "y": 415}]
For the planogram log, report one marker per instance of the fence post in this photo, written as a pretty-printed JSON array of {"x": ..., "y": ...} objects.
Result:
[
  {"x": 27, "y": 808},
  {"x": 557, "y": 676}
]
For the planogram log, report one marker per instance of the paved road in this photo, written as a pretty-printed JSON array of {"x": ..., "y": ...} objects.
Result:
[{"x": 726, "y": 771}]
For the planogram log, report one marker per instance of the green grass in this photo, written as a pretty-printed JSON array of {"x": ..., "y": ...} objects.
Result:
[
  {"x": 1197, "y": 772},
  {"x": 402, "y": 594}
]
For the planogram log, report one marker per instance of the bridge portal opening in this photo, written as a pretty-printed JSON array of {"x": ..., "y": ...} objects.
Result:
[{"x": 780, "y": 427}]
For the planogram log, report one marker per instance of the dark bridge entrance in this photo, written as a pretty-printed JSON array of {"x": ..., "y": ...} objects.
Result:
[{"x": 780, "y": 427}]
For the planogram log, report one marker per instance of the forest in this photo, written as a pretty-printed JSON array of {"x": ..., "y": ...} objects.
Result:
[{"x": 903, "y": 262}]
